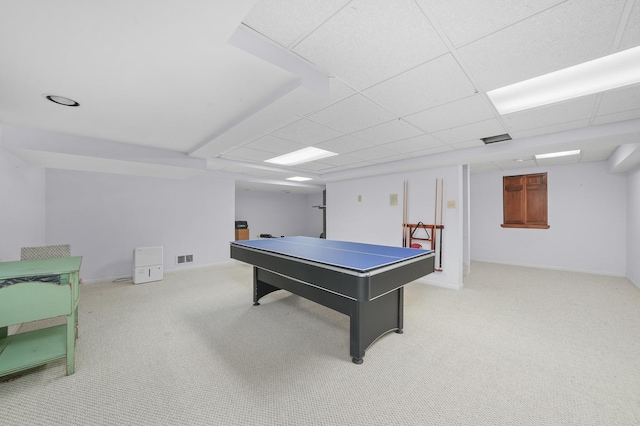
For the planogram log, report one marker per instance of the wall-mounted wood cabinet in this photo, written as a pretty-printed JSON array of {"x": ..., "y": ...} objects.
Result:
[{"x": 525, "y": 201}]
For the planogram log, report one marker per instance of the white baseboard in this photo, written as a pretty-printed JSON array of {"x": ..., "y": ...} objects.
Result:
[
  {"x": 166, "y": 271},
  {"x": 427, "y": 281},
  {"x": 635, "y": 284},
  {"x": 553, "y": 268},
  {"x": 191, "y": 267}
]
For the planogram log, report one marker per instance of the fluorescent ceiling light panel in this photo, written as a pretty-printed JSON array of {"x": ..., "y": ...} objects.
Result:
[
  {"x": 606, "y": 73},
  {"x": 557, "y": 154},
  {"x": 299, "y": 178},
  {"x": 301, "y": 156}
]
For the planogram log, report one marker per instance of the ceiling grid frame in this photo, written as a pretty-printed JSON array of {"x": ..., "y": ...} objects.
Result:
[{"x": 280, "y": 99}]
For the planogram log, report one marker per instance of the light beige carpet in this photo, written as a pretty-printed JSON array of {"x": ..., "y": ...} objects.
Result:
[{"x": 516, "y": 346}]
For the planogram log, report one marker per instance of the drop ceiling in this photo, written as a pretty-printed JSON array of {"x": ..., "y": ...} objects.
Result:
[{"x": 176, "y": 91}]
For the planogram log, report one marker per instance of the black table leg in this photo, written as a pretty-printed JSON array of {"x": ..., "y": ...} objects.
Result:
[
  {"x": 373, "y": 319},
  {"x": 260, "y": 288}
]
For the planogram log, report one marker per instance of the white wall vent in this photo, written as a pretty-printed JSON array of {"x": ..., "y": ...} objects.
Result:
[{"x": 147, "y": 264}]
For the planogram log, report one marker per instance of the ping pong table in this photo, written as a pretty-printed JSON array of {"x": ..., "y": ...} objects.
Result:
[{"x": 364, "y": 281}]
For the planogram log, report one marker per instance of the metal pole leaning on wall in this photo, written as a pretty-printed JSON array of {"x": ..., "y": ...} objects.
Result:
[
  {"x": 405, "y": 194},
  {"x": 438, "y": 225},
  {"x": 435, "y": 217},
  {"x": 441, "y": 220}
]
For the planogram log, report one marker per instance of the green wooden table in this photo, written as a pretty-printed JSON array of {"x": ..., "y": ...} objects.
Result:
[{"x": 33, "y": 300}]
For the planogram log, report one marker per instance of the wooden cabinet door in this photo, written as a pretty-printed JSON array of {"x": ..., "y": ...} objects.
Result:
[
  {"x": 536, "y": 199},
  {"x": 514, "y": 200}
]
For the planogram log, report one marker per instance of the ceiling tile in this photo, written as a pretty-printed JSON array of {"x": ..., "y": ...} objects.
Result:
[
  {"x": 344, "y": 144},
  {"x": 568, "y": 34},
  {"x": 423, "y": 152},
  {"x": 467, "y": 20},
  {"x": 620, "y": 116},
  {"x": 351, "y": 166},
  {"x": 285, "y": 21},
  {"x": 620, "y": 100},
  {"x": 371, "y": 40},
  {"x": 276, "y": 125},
  {"x": 468, "y": 132},
  {"x": 431, "y": 151},
  {"x": 394, "y": 157},
  {"x": 468, "y": 144},
  {"x": 573, "y": 110},
  {"x": 228, "y": 150},
  {"x": 247, "y": 154},
  {"x": 435, "y": 83},
  {"x": 372, "y": 154},
  {"x": 352, "y": 114},
  {"x": 549, "y": 129},
  {"x": 275, "y": 145},
  {"x": 340, "y": 160},
  {"x": 250, "y": 139},
  {"x": 465, "y": 111},
  {"x": 390, "y": 131},
  {"x": 631, "y": 35},
  {"x": 338, "y": 90},
  {"x": 418, "y": 143},
  {"x": 313, "y": 166},
  {"x": 306, "y": 132}
]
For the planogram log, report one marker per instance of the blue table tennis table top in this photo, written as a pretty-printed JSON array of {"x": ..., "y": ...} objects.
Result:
[{"x": 343, "y": 254}]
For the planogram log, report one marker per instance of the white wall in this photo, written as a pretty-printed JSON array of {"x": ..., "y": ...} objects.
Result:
[
  {"x": 466, "y": 220},
  {"x": 587, "y": 214},
  {"x": 105, "y": 216},
  {"x": 22, "y": 215},
  {"x": 633, "y": 227},
  {"x": 314, "y": 215},
  {"x": 373, "y": 220},
  {"x": 279, "y": 213}
]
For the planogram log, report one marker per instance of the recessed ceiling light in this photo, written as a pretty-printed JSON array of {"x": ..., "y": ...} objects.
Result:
[
  {"x": 557, "y": 154},
  {"x": 61, "y": 100},
  {"x": 606, "y": 73},
  {"x": 301, "y": 156},
  {"x": 299, "y": 178}
]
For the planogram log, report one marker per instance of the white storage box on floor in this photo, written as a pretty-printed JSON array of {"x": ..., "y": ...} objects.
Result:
[{"x": 147, "y": 264}]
